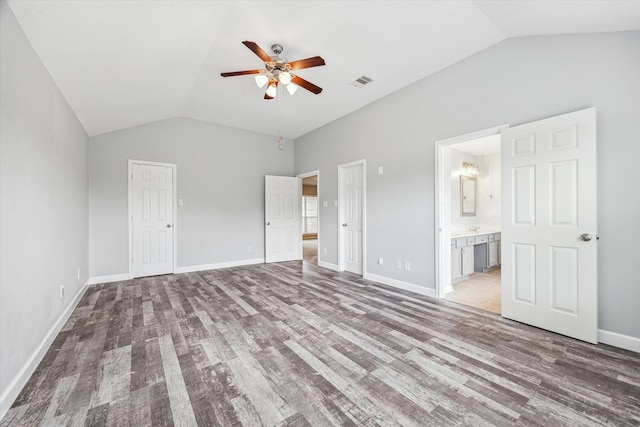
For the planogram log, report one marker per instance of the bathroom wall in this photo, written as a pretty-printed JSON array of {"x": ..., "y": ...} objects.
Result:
[{"x": 487, "y": 192}]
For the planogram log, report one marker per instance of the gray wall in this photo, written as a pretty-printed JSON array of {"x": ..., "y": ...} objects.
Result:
[
  {"x": 44, "y": 201},
  {"x": 220, "y": 177},
  {"x": 516, "y": 81}
]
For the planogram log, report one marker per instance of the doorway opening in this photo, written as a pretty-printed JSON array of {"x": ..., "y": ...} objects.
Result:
[
  {"x": 469, "y": 219},
  {"x": 310, "y": 220}
]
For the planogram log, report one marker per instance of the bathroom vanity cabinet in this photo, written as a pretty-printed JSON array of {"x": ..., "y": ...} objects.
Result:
[
  {"x": 475, "y": 251},
  {"x": 462, "y": 257},
  {"x": 487, "y": 254}
]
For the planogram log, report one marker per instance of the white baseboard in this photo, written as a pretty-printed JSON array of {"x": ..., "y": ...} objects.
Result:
[
  {"x": 618, "y": 340},
  {"x": 179, "y": 270},
  {"x": 108, "y": 279},
  {"x": 20, "y": 380},
  {"x": 328, "y": 265},
  {"x": 401, "y": 285},
  {"x": 203, "y": 267}
]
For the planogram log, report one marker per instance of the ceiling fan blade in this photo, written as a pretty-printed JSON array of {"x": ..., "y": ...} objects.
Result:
[
  {"x": 305, "y": 84},
  {"x": 267, "y": 96},
  {"x": 315, "y": 61},
  {"x": 241, "y": 73},
  {"x": 258, "y": 51}
]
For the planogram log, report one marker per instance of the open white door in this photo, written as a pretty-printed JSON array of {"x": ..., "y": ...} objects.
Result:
[
  {"x": 282, "y": 219},
  {"x": 151, "y": 206},
  {"x": 549, "y": 250}
]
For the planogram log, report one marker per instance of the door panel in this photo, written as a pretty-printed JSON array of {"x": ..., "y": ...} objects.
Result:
[
  {"x": 152, "y": 219},
  {"x": 549, "y": 272},
  {"x": 352, "y": 187},
  {"x": 282, "y": 219}
]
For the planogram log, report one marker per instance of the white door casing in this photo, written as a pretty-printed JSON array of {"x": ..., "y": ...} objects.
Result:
[
  {"x": 282, "y": 218},
  {"x": 549, "y": 227},
  {"x": 151, "y": 206},
  {"x": 351, "y": 217}
]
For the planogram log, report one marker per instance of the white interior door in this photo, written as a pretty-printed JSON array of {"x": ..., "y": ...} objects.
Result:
[
  {"x": 282, "y": 219},
  {"x": 549, "y": 250},
  {"x": 151, "y": 219},
  {"x": 352, "y": 218}
]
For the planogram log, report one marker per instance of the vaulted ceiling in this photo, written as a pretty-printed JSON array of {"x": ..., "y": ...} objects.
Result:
[{"x": 125, "y": 63}]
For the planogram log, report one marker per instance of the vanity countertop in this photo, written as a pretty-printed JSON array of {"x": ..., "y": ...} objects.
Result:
[{"x": 469, "y": 233}]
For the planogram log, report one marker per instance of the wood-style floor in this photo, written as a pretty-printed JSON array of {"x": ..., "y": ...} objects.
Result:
[{"x": 292, "y": 344}]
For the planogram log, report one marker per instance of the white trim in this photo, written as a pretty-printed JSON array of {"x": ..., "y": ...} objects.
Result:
[
  {"x": 203, "y": 267},
  {"x": 12, "y": 391},
  {"x": 406, "y": 286},
  {"x": 443, "y": 222},
  {"x": 315, "y": 173},
  {"x": 615, "y": 339},
  {"x": 175, "y": 210},
  {"x": 108, "y": 279},
  {"x": 328, "y": 265},
  {"x": 362, "y": 163}
]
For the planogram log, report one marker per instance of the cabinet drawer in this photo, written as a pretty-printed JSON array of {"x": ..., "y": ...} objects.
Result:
[
  {"x": 453, "y": 243},
  {"x": 461, "y": 242},
  {"x": 498, "y": 236},
  {"x": 481, "y": 239},
  {"x": 471, "y": 241},
  {"x": 492, "y": 237}
]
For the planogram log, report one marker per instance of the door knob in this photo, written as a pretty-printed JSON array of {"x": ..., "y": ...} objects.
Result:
[
  {"x": 268, "y": 223},
  {"x": 344, "y": 225},
  {"x": 168, "y": 225},
  {"x": 585, "y": 237}
]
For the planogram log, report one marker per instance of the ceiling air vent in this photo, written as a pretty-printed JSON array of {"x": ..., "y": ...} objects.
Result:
[{"x": 361, "y": 81}]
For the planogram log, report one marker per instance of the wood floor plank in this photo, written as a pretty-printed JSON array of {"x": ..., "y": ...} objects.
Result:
[
  {"x": 178, "y": 395},
  {"x": 291, "y": 344}
]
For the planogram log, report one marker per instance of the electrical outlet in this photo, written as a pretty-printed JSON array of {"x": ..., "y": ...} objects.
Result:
[
  {"x": 325, "y": 251},
  {"x": 61, "y": 291},
  {"x": 249, "y": 249},
  {"x": 398, "y": 264},
  {"x": 78, "y": 273},
  {"x": 407, "y": 266},
  {"x": 380, "y": 260}
]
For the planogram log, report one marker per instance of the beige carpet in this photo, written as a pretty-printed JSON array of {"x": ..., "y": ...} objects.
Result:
[
  {"x": 481, "y": 290},
  {"x": 310, "y": 251}
]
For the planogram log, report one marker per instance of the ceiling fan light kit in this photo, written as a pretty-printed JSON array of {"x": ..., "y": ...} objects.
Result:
[{"x": 279, "y": 70}]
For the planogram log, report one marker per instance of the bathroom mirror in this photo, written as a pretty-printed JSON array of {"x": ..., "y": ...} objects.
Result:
[{"x": 467, "y": 196}]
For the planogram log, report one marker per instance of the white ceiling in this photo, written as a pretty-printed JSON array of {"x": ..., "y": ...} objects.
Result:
[{"x": 125, "y": 63}]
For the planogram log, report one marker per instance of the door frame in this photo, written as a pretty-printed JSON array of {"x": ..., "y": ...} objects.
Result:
[
  {"x": 315, "y": 173},
  {"x": 442, "y": 227},
  {"x": 174, "y": 203},
  {"x": 363, "y": 164}
]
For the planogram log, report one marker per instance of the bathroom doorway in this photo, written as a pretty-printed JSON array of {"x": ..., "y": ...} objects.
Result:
[{"x": 469, "y": 218}]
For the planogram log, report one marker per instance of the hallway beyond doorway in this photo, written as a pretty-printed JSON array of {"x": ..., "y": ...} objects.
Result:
[{"x": 310, "y": 251}]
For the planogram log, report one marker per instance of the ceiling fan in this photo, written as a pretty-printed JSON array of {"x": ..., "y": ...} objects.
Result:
[{"x": 277, "y": 70}]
